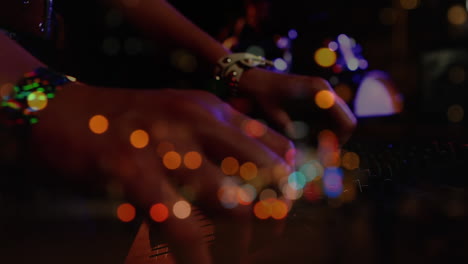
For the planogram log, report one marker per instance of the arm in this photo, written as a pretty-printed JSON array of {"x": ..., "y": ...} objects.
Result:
[
  {"x": 162, "y": 22},
  {"x": 192, "y": 121},
  {"x": 159, "y": 20}
]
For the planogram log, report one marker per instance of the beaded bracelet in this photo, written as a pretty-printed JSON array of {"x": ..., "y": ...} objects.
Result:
[{"x": 31, "y": 94}]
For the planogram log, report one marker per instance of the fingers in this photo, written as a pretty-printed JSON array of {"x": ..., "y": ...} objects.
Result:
[
  {"x": 187, "y": 240},
  {"x": 227, "y": 141},
  {"x": 255, "y": 129},
  {"x": 217, "y": 196},
  {"x": 339, "y": 111},
  {"x": 308, "y": 88}
]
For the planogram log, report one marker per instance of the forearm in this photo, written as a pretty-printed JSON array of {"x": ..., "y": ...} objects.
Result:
[{"x": 161, "y": 21}]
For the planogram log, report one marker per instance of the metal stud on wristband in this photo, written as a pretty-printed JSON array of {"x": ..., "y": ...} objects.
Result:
[
  {"x": 230, "y": 68},
  {"x": 31, "y": 94}
]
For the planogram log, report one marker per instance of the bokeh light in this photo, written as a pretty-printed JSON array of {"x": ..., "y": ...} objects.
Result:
[
  {"x": 192, "y": 160},
  {"x": 352, "y": 64},
  {"x": 350, "y": 161},
  {"x": 292, "y": 34},
  {"x": 325, "y": 99},
  {"x": 290, "y": 156},
  {"x": 297, "y": 180},
  {"x": 281, "y": 171},
  {"x": 139, "y": 138},
  {"x": 457, "y": 15},
  {"x": 312, "y": 191},
  {"x": 246, "y": 194},
  {"x": 164, "y": 147},
  {"x": 126, "y": 212},
  {"x": 254, "y": 128},
  {"x": 256, "y": 50},
  {"x": 311, "y": 170},
  {"x": 279, "y": 209},
  {"x": 98, "y": 124},
  {"x": 330, "y": 158},
  {"x": 37, "y": 101},
  {"x": 455, "y": 113},
  {"x": 282, "y": 42},
  {"x": 230, "y": 165},
  {"x": 248, "y": 171},
  {"x": 409, "y": 4},
  {"x": 290, "y": 192},
  {"x": 333, "y": 182},
  {"x": 262, "y": 210},
  {"x": 333, "y": 46},
  {"x": 363, "y": 64},
  {"x": 327, "y": 140},
  {"x": 280, "y": 64},
  {"x": 228, "y": 194},
  {"x": 181, "y": 209},
  {"x": 172, "y": 160},
  {"x": 325, "y": 57},
  {"x": 159, "y": 212},
  {"x": 267, "y": 194}
]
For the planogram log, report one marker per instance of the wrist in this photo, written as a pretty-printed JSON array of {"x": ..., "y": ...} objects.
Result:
[{"x": 21, "y": 102}]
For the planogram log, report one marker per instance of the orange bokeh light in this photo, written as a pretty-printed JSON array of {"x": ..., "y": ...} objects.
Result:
[
  {"x": 248, "y": 171},
  {"x": 98, "y": 124},
  {"x": 325, "y": 99},
  {"x": 230, "y": 166},
  {"x": 159, "y": 212},
  {"x": 139, "y": 138},
  {"x": 192, "y": 160},
  {"x": 172, "y": 160},
  {"x": 279, "y": 209},
  {"x": 350, "y": 161},
  {"x": 254, "y": 128},
  {"x": 263, "y": 209},
  {"x": 126, "y": 212}
]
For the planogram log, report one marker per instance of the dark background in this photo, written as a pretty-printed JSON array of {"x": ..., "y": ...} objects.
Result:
[
  {"x": 398, "y": 47},
  {"x": 67, "y": 226}
]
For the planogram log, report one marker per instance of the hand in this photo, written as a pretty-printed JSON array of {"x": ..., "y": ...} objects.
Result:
[
  {"x": 190, "y": 121},
  {"x": 273, "y": 90}
]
